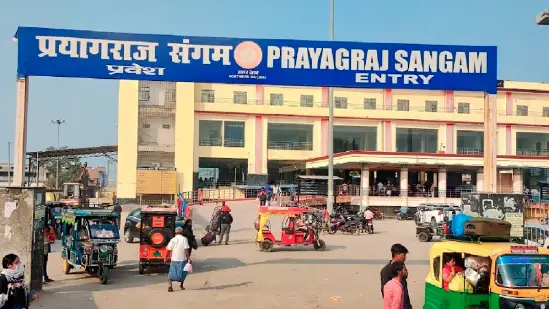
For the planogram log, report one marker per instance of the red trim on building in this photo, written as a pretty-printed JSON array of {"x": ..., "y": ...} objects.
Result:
[
  {"x": 324, "y": 135},
  {"x": 387, "y": 99},
  {"x": 387, "y": 136},
  {"x": 449, "y": 138},
  {"x": 508, "y": 103},
  {"x": 449, "y": 102},
  {"x": 259, "y": 94},
  {"x": 325, "y": 97},
  {"x": 508, "y": 140}
]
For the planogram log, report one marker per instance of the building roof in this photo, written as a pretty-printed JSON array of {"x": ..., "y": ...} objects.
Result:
[{"x": 75, "y": 152}]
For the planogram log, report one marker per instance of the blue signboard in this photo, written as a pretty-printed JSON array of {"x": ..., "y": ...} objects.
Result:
[{"x": 106, "y": 55}]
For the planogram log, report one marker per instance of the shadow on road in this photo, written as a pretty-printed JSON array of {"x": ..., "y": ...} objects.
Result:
[{"x": 225, "y": 286}]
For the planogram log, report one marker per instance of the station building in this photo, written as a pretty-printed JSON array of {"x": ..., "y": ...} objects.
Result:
[{"x": 198, "y": 134}]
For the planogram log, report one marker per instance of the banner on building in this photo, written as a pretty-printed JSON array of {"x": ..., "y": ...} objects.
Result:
[{"x": 107, "y": 55}]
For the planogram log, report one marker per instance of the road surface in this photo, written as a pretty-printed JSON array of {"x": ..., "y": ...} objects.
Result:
[{"x": 240, "y": 276}]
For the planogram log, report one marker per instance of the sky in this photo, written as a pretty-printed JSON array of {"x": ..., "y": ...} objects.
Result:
[{"x": 89, "y": 107}]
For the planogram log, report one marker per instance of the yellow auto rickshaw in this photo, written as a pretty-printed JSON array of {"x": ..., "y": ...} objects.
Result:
[{"x": 487, "y": 275}]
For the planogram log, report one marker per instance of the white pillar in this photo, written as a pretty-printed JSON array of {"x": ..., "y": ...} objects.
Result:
[
  {"x": 404, "y": 185},
  {"x": 442, "y": 184},
  {"x": 20, "y": 143},
  {"x": 364, "y": 187},
  {"x": 517, "y": 181},
  {"x": 480, "y": 180}
]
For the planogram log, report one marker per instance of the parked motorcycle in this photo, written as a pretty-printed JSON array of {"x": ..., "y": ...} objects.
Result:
[
  {"x": 404, "y": 214},
  {"x": 345, "y": 224}
]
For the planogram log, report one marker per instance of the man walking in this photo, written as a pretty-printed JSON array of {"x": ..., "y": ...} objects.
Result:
[
  {"x": 117, "y": 209},
  {"x": 226, "y": 220},
  {"x": 180, "y": 252},
  {"x": 49, "y": 238},
  {"x": 398, "y": 253},
  {"x": 393, "y": 291}
]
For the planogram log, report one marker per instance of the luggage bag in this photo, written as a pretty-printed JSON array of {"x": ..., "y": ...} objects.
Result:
[{"x": 487, "y": 227}]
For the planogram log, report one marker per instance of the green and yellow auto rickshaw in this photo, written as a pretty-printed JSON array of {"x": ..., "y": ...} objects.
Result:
[
  {"x": 497, "y": 275},
  {"x": 89, "y": 241}
]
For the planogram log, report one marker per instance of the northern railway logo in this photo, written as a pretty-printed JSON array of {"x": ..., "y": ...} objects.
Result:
[{"x": 248, "y": 55}]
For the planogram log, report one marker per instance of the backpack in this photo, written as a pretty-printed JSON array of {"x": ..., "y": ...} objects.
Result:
[{"x": 226, "y": 218}]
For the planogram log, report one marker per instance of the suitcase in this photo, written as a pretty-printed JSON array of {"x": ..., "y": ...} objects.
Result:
[
  {"x": 487, "y": 227},
  {"x": 207, "y": 239}
]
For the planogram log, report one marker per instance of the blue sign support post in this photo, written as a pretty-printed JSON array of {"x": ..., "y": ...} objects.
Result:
[{"x": 106, "y": 55}]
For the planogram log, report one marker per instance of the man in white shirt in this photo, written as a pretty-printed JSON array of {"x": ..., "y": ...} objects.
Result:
[{"x": 178, "y": 249}]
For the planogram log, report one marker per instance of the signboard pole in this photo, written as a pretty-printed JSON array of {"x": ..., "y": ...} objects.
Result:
[
  {"x": 490, "y": 143},
  {"x": 20, "y": 143},
  {"x": 330, "y": 201}
]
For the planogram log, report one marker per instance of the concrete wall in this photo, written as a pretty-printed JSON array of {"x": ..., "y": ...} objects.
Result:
[{"x": 22, "y": 218}]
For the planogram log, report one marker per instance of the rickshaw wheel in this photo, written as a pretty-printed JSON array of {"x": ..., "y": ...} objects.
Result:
[
  {"x": 104, "y": 279},
  {"x": 267, "y": 245},
  {"x": 141, "y": 269},
  {"x": 66, "y": 267},
  {"x": 423, "y": 237},
  {"x": 319, "y": 245}
]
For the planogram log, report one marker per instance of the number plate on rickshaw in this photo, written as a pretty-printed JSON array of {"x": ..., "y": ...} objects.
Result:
[{"x": 541, "y": 298}]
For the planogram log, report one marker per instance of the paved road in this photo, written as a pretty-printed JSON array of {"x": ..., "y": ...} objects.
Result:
[{"x": 240, "y": 276}]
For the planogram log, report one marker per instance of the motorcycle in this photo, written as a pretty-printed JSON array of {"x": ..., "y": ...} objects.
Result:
[
  {"x": 404, "y": 215},
  {"x": 344, "y": 224},
  {"x": 369, "y": 226}
]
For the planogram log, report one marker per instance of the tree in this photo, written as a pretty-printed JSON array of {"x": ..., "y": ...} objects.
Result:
[{"x": 68, "y": 169}]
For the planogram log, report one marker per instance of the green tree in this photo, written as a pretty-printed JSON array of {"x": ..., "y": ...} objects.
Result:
[{"x": 68, "y": 169}]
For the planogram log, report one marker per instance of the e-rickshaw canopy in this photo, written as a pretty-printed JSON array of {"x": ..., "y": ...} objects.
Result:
[{"x": 265, "y": 212}]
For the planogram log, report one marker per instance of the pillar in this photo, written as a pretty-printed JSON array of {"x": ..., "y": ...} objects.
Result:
[
  {"x": 257, "y": 159},
  {"x": 128, "y": 128},
  {"x": 442, "y": 184},
  {"x": 186, "y": 137},
  {"x": 404, "y": 184},
  {"x": 259, "y": 94},
  {"x": 20, "y": 142},
  {"x": 364, "y": 187},
  {"x": 517, "y": 181},
  {"x": 480, "y": 180},
  {"x": 490, "y": 143}
]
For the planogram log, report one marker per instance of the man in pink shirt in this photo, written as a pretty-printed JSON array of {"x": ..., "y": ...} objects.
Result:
[{"x": 393, "y": 291}]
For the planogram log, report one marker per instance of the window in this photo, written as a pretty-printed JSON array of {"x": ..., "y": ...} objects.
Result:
[
  {"x": 436, "y": 267},
  {"x": 403, "y": 105},
  {"x": 417, "y": 140},
  {"x": 306, "y": 100},
  {"x": 207, "y": 96},
  {"x": 369, "y": 103},
  {"x": 144, "y": 93},
  {"x": 289, "y": 136},
  {"x": 240, "y": 97},
  {"x": 277, "y": 99},
  {"x": 209, "y": 132},
  {"x": 348, "y": 138},
  {"x": 464, "y": 108},
  {"x": 431, "y": 106},
  {"x": 340, "y": 102},
  {"x": 546, "y": 112},
  {"x": 234, "y": 134},
  {"x": 522, "y": 110},
  {"x": 169, "y": 97},
  {"x": 165, "y": 126},
  {"x": 145, "y": 126}
]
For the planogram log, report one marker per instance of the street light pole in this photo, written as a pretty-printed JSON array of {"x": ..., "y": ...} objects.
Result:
[
  {"x": 330, "y": 201},
  {"x": 58, "y": 122}
]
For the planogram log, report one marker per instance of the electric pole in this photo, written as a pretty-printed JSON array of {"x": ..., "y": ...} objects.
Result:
[{"x": 58, "y": 122}]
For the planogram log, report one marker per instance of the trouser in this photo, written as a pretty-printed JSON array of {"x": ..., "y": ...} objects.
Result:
[
  {"x": 45, "y": 266},
  {"x": 225, "y": 231}
]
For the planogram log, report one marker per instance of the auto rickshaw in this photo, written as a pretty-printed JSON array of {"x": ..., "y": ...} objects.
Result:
[
  {"x": 89, "y": 241},
  {"x": 497, "y": 275},
  {"x": 156, "y": 229},
  {"x": 291, "y": 235}
]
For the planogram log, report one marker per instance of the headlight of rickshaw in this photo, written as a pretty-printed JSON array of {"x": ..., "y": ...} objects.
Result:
[
  {"x": 519, "y": 306},
  {"x": 105, "y": 248}
]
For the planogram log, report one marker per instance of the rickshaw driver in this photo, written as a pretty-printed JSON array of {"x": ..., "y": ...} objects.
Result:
[{"x": 302, "y": 226}]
